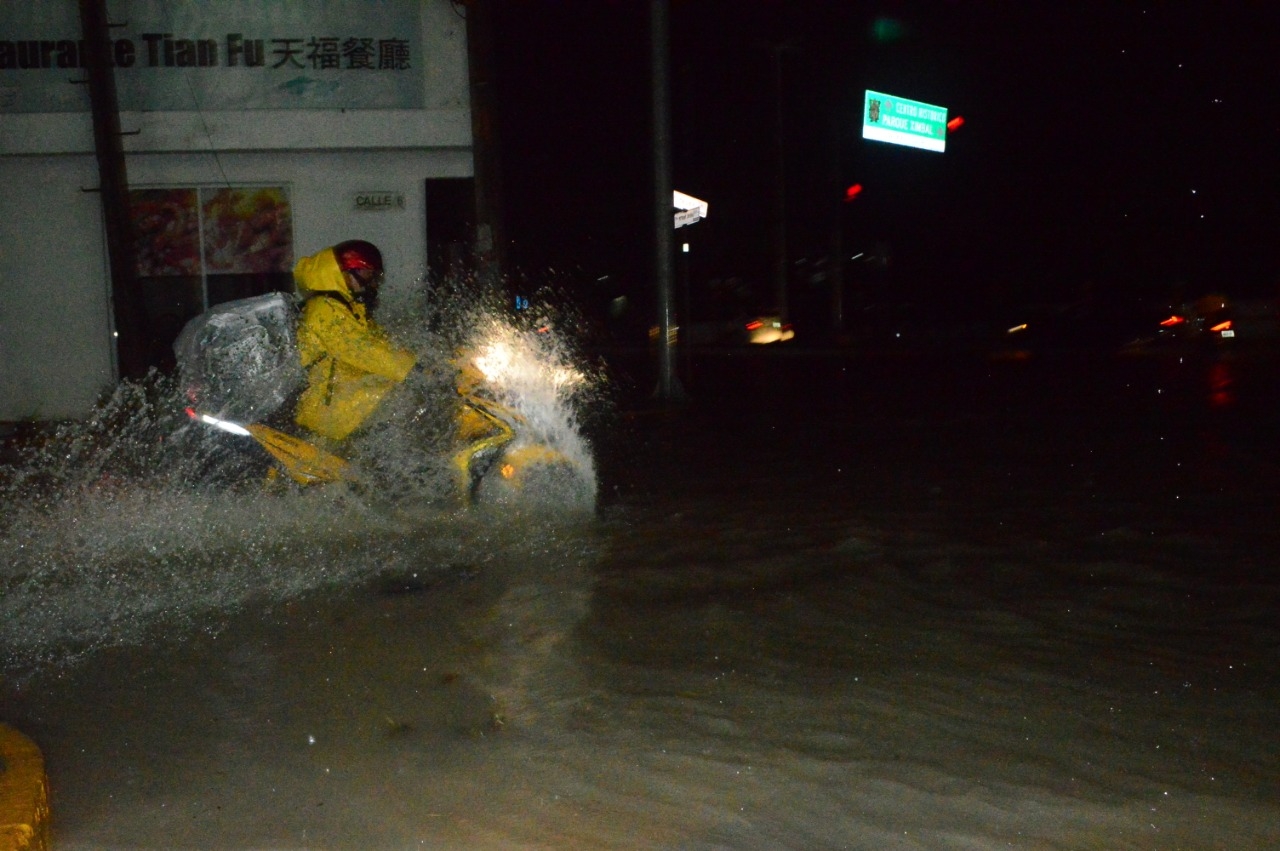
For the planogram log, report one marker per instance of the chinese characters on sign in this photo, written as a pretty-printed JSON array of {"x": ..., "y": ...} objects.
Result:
[{"x": 325, "y": 53}]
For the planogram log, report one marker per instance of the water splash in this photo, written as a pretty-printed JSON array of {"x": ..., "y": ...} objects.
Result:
[
  {"x": 529, "y": 363},
  {"x": 528, "y": 371},
  {"x": 131, "y": 522},
  {"x": 114, "y": 529}
]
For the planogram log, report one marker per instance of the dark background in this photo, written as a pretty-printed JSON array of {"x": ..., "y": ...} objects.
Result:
[{"x": 1107, "y": 148}]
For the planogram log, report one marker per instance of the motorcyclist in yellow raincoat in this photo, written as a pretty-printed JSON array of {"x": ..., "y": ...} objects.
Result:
[{"x": 351, "y": 365}]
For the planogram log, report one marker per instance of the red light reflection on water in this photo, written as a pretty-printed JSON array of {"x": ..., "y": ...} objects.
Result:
[{"x": 1222, "y": 382}]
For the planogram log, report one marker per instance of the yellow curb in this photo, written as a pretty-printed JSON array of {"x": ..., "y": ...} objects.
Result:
[{"x": 24, "y": 794}]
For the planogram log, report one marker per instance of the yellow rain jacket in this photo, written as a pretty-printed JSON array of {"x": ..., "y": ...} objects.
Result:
[{"x": 350, "y": 363}]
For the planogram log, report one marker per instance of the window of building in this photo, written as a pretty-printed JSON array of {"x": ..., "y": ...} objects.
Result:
[{"x": 200, "y": 246}]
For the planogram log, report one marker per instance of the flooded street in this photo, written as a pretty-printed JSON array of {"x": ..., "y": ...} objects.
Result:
[{"x": 834, "y": 601}]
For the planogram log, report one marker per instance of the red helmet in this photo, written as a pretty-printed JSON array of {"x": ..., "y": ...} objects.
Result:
[{"x": 358, "y": 254}]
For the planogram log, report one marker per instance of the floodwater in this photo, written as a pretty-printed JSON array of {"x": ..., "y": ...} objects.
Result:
[{"x": 832, "y": 601}]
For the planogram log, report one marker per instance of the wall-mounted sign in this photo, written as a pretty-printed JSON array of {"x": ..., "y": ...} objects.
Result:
[
  {"x": 889, "y": 118},
  {"x": 378, "y": 202},
  {"x": 173, "y": 55}
]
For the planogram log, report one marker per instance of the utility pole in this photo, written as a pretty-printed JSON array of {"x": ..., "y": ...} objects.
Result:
[
  {"x": 490, "y": 234},
  {"x": 113, "y": 182},
  {"x": 663, "y": 206}
]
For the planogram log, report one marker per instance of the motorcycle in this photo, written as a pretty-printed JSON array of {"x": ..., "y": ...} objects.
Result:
[{"x": 512, "y": 421}]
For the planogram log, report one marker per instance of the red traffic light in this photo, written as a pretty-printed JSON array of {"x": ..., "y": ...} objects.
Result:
[
  {"x": 852, "y": 192},
  {"x": 955, "y": 124}
]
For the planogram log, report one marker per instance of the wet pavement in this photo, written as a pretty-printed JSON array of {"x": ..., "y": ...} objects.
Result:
[{"x": 831, "y": 600}]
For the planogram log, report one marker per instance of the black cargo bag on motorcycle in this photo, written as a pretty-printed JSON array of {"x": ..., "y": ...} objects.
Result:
[{"x": 239, "y": 359}]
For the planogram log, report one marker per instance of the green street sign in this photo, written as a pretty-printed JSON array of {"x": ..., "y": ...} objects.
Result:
[{"x": 887, "y": 118}]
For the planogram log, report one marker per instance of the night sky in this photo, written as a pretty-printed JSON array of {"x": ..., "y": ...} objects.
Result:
[{"x": 1132, "y": 150}]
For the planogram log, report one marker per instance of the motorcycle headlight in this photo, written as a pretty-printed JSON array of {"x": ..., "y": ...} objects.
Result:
[{"x": 494, "y": 361}]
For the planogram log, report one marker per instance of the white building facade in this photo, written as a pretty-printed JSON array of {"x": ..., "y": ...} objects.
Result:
[{"x": 256, "y": 132}]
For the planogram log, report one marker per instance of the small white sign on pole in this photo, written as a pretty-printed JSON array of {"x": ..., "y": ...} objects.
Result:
[{"x": 689, "y": 210}]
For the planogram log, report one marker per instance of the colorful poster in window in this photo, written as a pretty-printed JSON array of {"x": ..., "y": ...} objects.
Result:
[
  {"x": 247, "y": 231},
  {"x": 166, "y": 226}
]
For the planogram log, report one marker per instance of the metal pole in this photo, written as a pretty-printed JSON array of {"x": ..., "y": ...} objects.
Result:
[
  {"x": 780, "y": 223},
  {"x": 490, "y": 238},
  {"x": 687, "y": 346},
  {"x": 663, "y": 208},
  {"x": 835, "y": 270},
  {"x": 113, "y": 181}
]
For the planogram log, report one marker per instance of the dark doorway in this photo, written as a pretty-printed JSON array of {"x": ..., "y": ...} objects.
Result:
[{"x": 451, "y": 215}]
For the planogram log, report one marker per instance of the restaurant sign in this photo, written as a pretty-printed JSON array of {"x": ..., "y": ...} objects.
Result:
[{"x": 178, "y": 55}]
